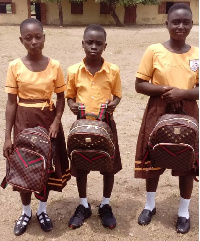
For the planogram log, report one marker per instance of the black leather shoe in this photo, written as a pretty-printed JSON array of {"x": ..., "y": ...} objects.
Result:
[
  {"x": 21, "y": 224},
  {"x": 145, "y": 216},
  {"x": 182, "y": 225},
  {"x": 45, "y": 222}
]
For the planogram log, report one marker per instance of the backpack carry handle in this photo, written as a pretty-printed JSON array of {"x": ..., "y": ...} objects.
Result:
[{"x": 100, "y": 116}]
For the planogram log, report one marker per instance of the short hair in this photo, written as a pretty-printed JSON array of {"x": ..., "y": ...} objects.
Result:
[
  {"x": 95, "y": 27},
  {"x": 30, "y": 21},
  {"x": 178, "y": 6}
]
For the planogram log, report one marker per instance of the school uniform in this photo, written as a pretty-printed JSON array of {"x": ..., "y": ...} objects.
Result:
[
  {"x": 35, "y": 108},
  {"x": 94, "y": 90},
  {"x": 162, "y": 67}
]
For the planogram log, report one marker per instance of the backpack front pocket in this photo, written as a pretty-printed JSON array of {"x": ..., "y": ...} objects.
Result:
[
  {"x": 92, "y": 160},
  {"x": 173, "y": 156},
  {"x": 26, "y": 170}
]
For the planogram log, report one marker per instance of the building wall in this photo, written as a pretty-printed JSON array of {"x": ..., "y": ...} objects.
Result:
[
  {"x": 91, "y": 14},
  {"x": 149, "y": 14},
  {"x": 195, "y": 10},
  {"x": 19, "y": 16}
]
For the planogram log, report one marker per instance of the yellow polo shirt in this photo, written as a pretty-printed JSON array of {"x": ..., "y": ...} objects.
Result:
[
  {"x": 91, "y": 90},
  {"x": 163, "y": 67},
  {"x": 34, "y": 85}
]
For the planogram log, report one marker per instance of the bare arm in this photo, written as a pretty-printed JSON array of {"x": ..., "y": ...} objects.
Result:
[
  {"x": 112, "y": 104},
  {"x": 11, "y": 107},
  {"x": 60, "y": 106},
  {"x": 176, "y": 95},
  {"x": 146, "y": 88},
  {"x": 73, "y": 105}
]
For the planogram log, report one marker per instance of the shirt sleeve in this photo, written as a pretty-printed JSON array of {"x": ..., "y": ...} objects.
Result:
[
  {"x": 11, "y": 83},
  {"x": 71, "y": 91},
  {"x": 116, "y": 84},
  {"x": 59, "y": 82},
  {"x": 145, "y": 69}
]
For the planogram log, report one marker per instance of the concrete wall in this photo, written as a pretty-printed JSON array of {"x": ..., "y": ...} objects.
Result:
[
  {"x": 149, "y": 14},
  {"x": 91, "y": 14},
  {"x": 19, "y": 16}
]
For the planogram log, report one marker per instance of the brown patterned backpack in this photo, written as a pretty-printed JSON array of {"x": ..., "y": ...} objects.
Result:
[
  {"x": 90, "y": 143},
  {"x": 30, "y": 164},
  {"x": 174, "y": 142}
]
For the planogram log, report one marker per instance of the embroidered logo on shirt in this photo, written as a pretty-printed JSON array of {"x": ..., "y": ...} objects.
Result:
[{"x": 194, "y": 64}]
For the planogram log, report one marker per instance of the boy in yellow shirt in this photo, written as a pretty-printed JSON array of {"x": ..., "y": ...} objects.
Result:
[{"x": 93, "y": 82}]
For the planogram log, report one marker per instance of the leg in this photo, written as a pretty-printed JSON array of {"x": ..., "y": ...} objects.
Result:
[
  {"x": 83, "y": 211},
  {"x": 149, "y": 210},
  {"x": 81, "y": 181},
  {"x": 42, "y": 217},
  {"x": 105, "y": 211},
  {"x": 23, "y": 221},
  {"x": 25, "y": 198},
  {"x": 152, "y": 184},
  {"x": 185, "y": 186},
  {"x": 151, "y": 187},
  {"x": 108, "y": 182}
]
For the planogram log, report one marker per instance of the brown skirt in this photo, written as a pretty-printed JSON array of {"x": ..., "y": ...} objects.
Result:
[
  {"x": 29, "y": 117},
  {"x": 117, "y": 157},
  {"x": 156, "y": 107}
]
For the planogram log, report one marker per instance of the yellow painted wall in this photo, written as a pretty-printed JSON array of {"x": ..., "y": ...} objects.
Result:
[
  {"x": 195, "y": 10},
  {"x": 149, "y": 14},
  {"x": 91, "y": 14},
  {"x": 21, "y": 13}
]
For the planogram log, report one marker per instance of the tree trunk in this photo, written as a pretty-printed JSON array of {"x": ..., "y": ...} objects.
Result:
[
  {"x": 29, "y": 8},
  {"x": 112, "y": 7},
  {"x": 59, "y": 3}
]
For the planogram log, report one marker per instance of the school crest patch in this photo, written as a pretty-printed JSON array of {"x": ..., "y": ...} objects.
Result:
[{"x": 194, "y": 64}]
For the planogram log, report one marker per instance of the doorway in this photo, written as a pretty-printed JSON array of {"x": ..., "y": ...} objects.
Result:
[
  {"x": 38, "y": 11},
  {"x": 130, "y": 15}
]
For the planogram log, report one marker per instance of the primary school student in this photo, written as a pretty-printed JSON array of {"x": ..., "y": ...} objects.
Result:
[
  {"x": 31, "y": 81},
  {"x": 92, "y": 82},
  {"x": 168, "y": 73}
]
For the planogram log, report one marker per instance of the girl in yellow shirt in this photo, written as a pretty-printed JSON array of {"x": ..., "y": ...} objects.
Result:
[
  {"x": 33, "y": 79},
  {"x": 168, "y": 73}
]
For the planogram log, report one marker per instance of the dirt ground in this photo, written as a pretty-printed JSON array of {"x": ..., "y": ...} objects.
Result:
[{"x": 125, "y": 48}]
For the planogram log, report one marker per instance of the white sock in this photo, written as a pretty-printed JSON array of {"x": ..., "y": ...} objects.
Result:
[
  {"x": 26, "y": 210},
  {"x": 150, "y": 203},
  {"x": 84, "y": 202},
  {"x": 42, "y": 207},
  {"x": 104, "y": 201},
  {"x": 183, "y": 208}
]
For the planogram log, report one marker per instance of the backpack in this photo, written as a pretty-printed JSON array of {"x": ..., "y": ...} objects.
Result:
[
  {"x": 173, "y": 143},
  {"x": 90, "y": 143},
  {"x": 30, "y": 163}
]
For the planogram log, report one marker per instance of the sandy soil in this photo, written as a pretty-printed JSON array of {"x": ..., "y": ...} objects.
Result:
[{"x": 125, "y": 48}]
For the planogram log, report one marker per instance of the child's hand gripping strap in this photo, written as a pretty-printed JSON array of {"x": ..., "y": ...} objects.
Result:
[{"x": 82, "y": 114}]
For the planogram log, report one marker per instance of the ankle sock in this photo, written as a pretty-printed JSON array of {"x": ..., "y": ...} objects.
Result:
[
  {"x": 84, "y": 202},
  {"x": 150, "y": 203},
  {"x": 183, "y": 208},
  {"x": 27, "y": 210},
  {"x": 104, "y": 201},
  {"x": 42, "y": 207}
]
